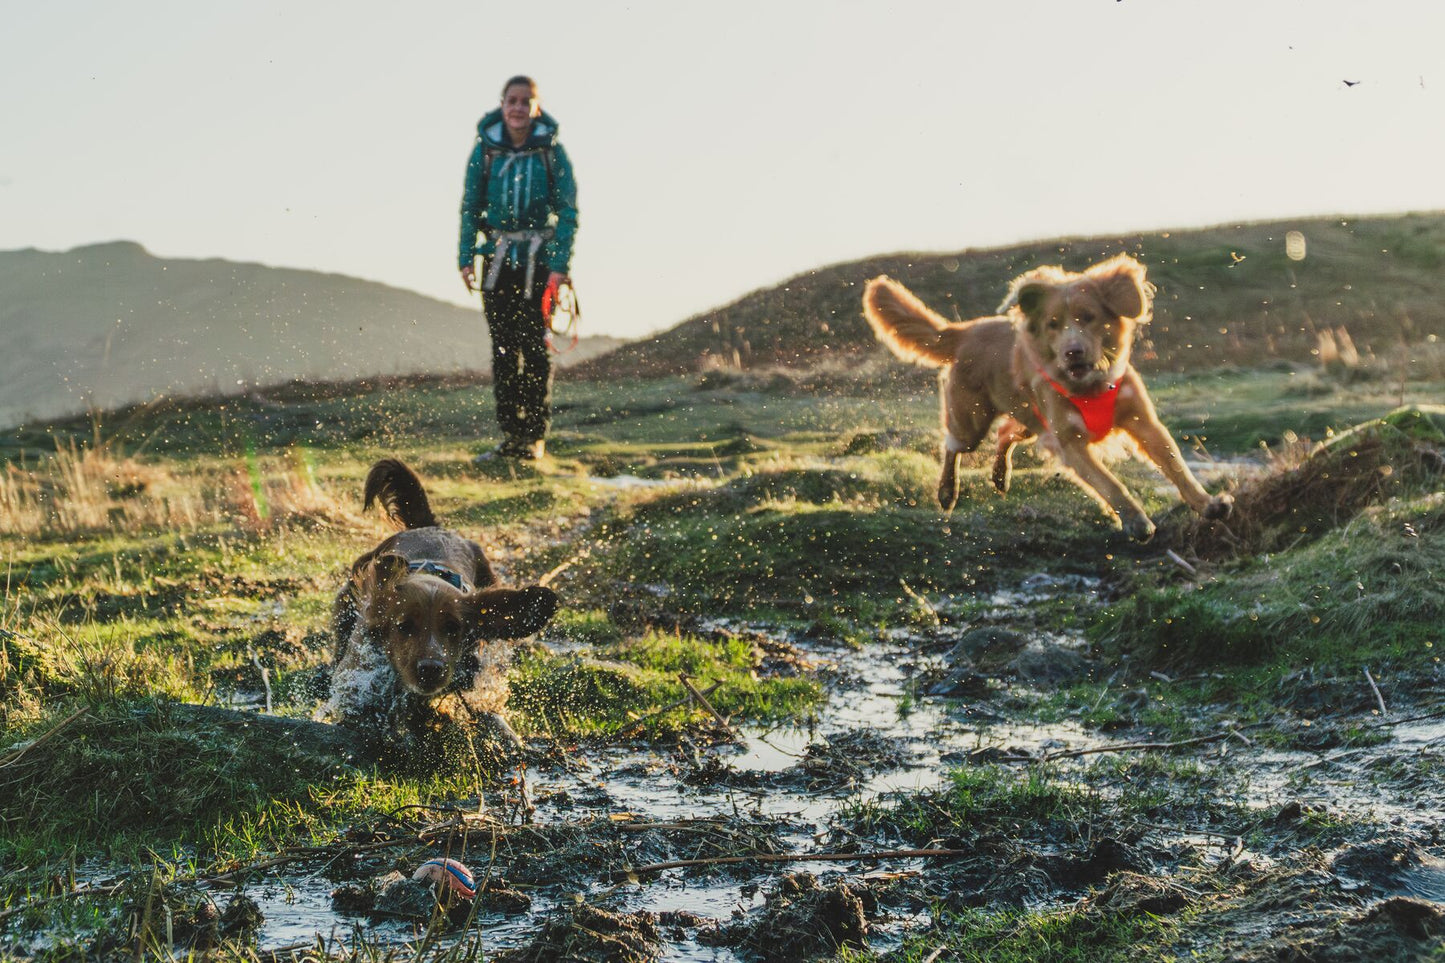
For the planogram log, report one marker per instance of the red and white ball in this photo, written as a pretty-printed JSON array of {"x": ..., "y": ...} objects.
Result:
[{"x": 447, "y": 874}]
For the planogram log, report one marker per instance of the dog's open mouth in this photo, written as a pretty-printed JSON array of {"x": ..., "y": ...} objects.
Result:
[{"x": 1080, "y": 370}]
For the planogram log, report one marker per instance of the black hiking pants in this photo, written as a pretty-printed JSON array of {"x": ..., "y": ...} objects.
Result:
[{"x": 521, "y": 363}]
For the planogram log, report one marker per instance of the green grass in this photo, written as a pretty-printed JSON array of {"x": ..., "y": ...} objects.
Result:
[
  {"x": 1082, "y": 935},
  {"x": 977, "y": 802},
  {"x": 811, "y": 513},
  {"x": 1367, "y": 593},
  {"x": 624, "y": 678}
]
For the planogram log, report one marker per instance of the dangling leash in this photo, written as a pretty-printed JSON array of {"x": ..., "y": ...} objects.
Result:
[{"x": 562, "y": 312}]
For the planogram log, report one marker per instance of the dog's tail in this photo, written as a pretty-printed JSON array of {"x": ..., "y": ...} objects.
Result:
[
  {"x": 400, "y": 493},
  {"x": 907, "y": 326}
]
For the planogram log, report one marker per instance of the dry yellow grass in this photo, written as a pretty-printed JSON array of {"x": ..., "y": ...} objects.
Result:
[{"x": 96, "y": 488}]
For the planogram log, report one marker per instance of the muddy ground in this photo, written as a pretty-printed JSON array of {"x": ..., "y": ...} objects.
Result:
[
  {"x": 1316, "y": 836},
  {"x": 973, "y": 771}
]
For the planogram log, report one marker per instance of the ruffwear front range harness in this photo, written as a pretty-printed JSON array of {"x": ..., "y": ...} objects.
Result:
[{"x": 1097, "y": 409}]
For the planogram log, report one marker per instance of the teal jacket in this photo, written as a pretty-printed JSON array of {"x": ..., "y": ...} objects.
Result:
[{"x": 518, "y": 188}]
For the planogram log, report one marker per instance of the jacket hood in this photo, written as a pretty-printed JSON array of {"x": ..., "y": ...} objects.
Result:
[{"x": 494, "y": 133}]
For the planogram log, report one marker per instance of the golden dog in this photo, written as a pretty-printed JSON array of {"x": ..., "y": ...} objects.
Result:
[
  {"x": 414, "y": 618},
  {"x": 1053, "y": 364}
]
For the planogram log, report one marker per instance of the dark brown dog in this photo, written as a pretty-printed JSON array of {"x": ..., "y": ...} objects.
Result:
[
  {"x": 1053, "y": 364},
  {"x": 418, "y": 611}
]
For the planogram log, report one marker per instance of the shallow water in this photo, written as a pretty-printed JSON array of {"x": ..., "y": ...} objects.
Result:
[{"x": 873, "y": 693}]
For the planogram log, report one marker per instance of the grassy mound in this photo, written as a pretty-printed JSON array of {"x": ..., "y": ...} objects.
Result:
[
  {"x": 1372, "y": 462},
  {"x": 1336, "y": 562}
]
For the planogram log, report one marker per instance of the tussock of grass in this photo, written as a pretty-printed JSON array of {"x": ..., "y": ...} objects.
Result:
[
  {"x": 135, "y": 775},
  {"x": 1390, "y": 456},
  {"x": 1085, "y": 934},
  {"x": 1369, "y": 591},
  {"x": 793, "y": 538},
  {"x": 625, "y": 678},
  {"x": 977, "y": 802}
]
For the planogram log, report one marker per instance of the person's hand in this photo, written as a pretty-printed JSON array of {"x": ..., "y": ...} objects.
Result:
[
  {"x": 549, "y": 297},
  {"x": 469, "y": 278}
]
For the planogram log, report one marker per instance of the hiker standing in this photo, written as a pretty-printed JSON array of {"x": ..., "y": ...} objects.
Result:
[{"x": 519, "y": 213}]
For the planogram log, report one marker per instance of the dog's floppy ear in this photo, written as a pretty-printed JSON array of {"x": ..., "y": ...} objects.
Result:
[
  {"x": 510, "y": 613},
  {"x": 1029, "y": 291},
  {"x": 1122, "y": 287},
  {"x": 378, "y": 572},
  {"x": 1030, "y": 300}
]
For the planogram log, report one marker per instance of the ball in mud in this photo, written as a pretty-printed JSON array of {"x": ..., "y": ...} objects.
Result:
[{"x": 447, "y": 874}]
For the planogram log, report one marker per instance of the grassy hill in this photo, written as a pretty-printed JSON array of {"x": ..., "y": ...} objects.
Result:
[
  {"x": 111, "y": 324},
  {"x": 1226, "y": 294}
]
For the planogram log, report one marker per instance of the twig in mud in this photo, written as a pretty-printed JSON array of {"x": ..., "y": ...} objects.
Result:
[
  {"x": 802, "y": 857},
  {"x": 564, "y": 566},
  {"x": 702, "y": 701},
  {"x": 1178, "y": 560},
  {"x": 665, "y": 709},
  {"x": 1142, "y": 746},
  {"x": 1379, "y": 699},
  {"x": 1437, "y": 714},
  {"x": 700, "y": 825},
  {"x": 13, "y": 757},
  {"x": 927, "y": 607},
  {"x": 265, "y": 676}
]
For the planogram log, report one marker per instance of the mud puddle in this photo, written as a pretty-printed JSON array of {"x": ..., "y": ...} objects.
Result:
[{"x": 686, "y": 850}]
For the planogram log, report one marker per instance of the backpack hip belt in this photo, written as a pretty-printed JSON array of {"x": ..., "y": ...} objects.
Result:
[{"x": 534, "y": 238}]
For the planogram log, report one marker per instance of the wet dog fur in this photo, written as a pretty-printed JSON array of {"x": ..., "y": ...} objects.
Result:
[
  {"x": 1057, "y": 334},
  {"x": 409, "y": 642}
]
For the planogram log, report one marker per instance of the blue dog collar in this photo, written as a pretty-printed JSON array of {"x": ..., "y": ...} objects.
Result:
[{"x": 441, "y": 572}]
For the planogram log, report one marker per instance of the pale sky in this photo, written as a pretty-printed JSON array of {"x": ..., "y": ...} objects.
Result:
[{"x": 719, "y": 147}]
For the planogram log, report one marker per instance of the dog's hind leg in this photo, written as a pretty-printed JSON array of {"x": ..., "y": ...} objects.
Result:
[
  {"x": 965, "y": 425},
  {"x": 954, "y": 448},
  {"x": 1010, "y": 434},
  {"x": 948, "y": 478}
]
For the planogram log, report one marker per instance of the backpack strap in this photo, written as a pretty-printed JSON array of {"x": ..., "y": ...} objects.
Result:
[{"x": 491, "y": 152}]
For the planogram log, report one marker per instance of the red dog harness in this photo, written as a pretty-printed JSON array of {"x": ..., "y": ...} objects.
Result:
[{"x": 1097, "y": 409}]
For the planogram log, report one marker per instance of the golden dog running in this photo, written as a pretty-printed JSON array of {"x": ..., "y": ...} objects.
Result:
[{"x": 1053, "y": 364}]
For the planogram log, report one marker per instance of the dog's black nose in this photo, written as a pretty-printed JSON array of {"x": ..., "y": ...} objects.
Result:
[
  {"x": 430, "y": 674},
  {"x": 1074, "y": 354}
]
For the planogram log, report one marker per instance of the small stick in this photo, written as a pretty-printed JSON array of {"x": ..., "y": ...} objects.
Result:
[
  {"x": 1177, "y": 559},
  {"x": 14, "y": 757},
  {"x": 698, "y": 827},
  {"x": 1127, "y": 746},
  {"x": 1379, "y": 699},
  {"x": 802, "y": 857},
  {"x": 1397, "y": 722},
  {"x": 564, "y": 567},
  {"x": 932, "y": 612},
  {"x": 702, "y": 701},
  {"x": 265, "y": 678},
  {"x": 665, "y": 709}
]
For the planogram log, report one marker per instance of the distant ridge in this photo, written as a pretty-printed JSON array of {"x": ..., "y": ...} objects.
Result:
[
  {"x": 107, "y": 325},
  {"x": 1226, "y": 295}
]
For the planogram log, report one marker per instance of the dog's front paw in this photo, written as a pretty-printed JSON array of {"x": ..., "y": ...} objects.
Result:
[
  {"x": 1219, "y": 507},
  {"x": 1140, "y": 528}
]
